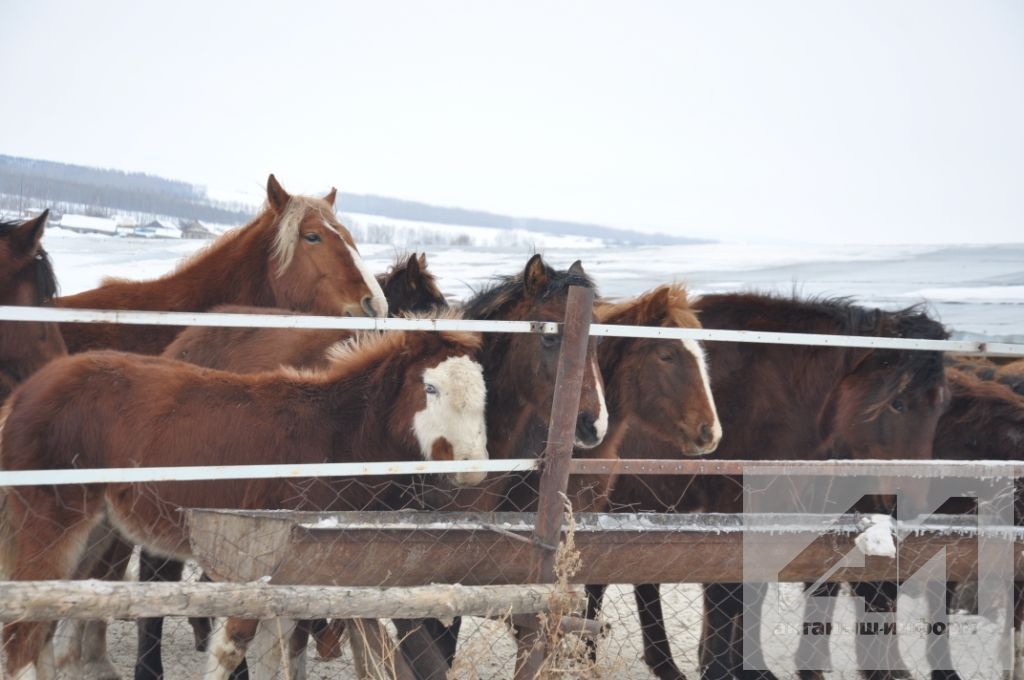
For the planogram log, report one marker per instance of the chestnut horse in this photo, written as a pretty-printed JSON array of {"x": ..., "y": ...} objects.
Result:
[
  {"x": 26, "y": 278},
  {"x": 781, "y": 402},
  {"x": 408, "y": 286},
  {"x": 520, "y": 372},
  {"x": 294, "y": 255},
  {"x": 399, "y": 396},
  {"x": 658, "y": 391}
]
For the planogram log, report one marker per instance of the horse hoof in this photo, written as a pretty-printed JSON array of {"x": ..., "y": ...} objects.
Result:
[
  {"x": 811, "y": 675},
  {"x": 945, "y": 675},
  {"x": 99, "y": 670}
]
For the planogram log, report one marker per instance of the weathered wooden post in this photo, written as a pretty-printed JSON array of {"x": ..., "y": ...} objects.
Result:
[{"x": 557, "y": 455}]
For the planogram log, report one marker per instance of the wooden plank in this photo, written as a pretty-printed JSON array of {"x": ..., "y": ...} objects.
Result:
[
  {"x": 49, "y": 600},
  {"x": 480, "y": 549}
]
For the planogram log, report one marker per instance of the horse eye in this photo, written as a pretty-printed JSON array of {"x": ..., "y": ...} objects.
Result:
[
  {"x": 311, "y": 237},
  {"x": 429, "y": 389},
  {"x": 668, "y": 358},
  {"x": 897, "y": 405},
  {"x": 548, "y": 341}
]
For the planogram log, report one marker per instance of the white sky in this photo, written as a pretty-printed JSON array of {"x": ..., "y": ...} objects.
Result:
[{"x": 864, "y": 121}]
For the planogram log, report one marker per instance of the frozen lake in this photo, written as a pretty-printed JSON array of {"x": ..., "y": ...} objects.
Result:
[{"x": 978, "y": 291}]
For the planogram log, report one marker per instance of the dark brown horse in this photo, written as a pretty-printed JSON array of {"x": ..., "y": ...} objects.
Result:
[
  {"x": 26, "y": 279},
  {"x": 294, "y": 255},
  {"x": 409, "y": 287},
  {"x": 782, "y": 402},
  {"x": 397, "y": 396},
  {"x": 520, "y": 372}
]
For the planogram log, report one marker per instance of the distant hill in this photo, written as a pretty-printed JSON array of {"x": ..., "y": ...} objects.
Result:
[{"x": 73, "y": 186}]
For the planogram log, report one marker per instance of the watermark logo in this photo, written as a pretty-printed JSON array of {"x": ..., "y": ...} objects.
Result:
[{"x": 879, "y": 539}]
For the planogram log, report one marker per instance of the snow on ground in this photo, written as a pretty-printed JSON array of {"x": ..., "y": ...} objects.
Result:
[{"x": 976, "y": 290}]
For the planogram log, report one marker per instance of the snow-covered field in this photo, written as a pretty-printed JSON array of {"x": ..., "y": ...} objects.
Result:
[{"x": 976, "y": 290}]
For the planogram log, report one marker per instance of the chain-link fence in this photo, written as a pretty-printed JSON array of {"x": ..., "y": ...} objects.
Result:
[{"x": 736, "y": 597}]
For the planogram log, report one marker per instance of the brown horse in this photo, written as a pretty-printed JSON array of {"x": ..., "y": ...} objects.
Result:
[
  {"x": 399, "y": 396},
  {"x": 781, "y": 402},
  {"x": 985, "y": 421},
  {"x": 520, "y": 372},
  {"x": 294, "y": 255},
  {"x": 409, "y": 288},
  {"x": 26, "y": 278},
  {"x": 658, "y": 391}
]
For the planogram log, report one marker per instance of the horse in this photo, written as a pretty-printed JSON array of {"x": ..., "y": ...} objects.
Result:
[
  {"x": 409, "y": 288},
  {"x": 26, "y": 278},
  {"x": 780, "y": 402},
  {"x": 658, "y": 391},
  {"x": 519, "y": 369},
  {"x": 294, "y": 254},
  {"x": 984, "y": 421},
  {"x": 399, "y": 396}
]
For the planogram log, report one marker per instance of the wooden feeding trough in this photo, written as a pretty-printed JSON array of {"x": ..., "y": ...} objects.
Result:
[{"x": 409, "y": 548}]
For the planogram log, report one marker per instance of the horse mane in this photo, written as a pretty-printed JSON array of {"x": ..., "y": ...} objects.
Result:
[
  {"x": 494, "y": 300},
  {"x": 46, "y": 279},
  {"x": 354, "y": 354},
  {"x": 988, "y": 399},
  {"x": 282, "y": 246},
  {"x": 667, "y": 306}
]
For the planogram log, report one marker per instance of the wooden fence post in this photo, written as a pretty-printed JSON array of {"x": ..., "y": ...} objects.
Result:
[{"x": 555, "y": 474}]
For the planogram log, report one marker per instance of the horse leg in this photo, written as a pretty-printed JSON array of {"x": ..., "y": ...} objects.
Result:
[
  {"x": 227, "y": 647},
  {"x": 722, "y": 603},
  {"x": 937, "y": 649},
  {"x": 747, "y": 654},
  {"x": 878, "y": 656},
  {"x": 812, "y": 655},
  {"x": 148, "y": 659},
  {"x": 374, "y": 652},
  {"x": 1018, "y": 630},
  {"x": 328, "y": 637},
  {"x": 49, "y": 534},
  {"x": 202, "y": 626},
  {"x": 265, "y": 652},
  {"x": 657, "y": 652},
  {"x": 595, "y": 594},
  {"x": 421, "y": 649}
]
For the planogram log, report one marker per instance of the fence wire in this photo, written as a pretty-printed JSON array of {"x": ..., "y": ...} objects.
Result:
[{"x": 353, "y": 545}]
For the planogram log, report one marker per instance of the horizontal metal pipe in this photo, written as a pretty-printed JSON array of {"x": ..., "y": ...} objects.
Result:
[
  {"x": 579, "y": 466},
  {"x": 970, "y": 347}
]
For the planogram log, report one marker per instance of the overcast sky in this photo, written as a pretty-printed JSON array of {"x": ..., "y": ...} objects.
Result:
[{"x": 818, "y": 121}]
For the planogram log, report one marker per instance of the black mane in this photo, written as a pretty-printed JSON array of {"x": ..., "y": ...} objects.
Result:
[
  {"x": 46, "y": 280},
  {"x": 490, "y": 302}
]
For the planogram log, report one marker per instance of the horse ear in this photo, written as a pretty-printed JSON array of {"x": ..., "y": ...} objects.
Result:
[
  {"x": 423, "y": 261},
  {"x": 657, "y": 304},
  {"x": 412, "y": 270},
  {"x": 27, "y": 235},
  {"x": 535, "y": 276},
  {"x": 331, "y": 196},
  {"x": 276, "y": 194},
  {"x": 576, "y": 268}
]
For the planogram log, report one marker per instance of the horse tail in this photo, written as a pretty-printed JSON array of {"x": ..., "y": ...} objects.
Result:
[{"x": 6, "y": 527}]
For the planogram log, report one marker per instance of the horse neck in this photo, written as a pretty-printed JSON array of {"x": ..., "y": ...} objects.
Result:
[
  {"x": 770, "y": 397},
  {"x": 360, "y": 405},
  {"x": 514, "y": 427},
  {"x": 233, "y": 271},
  {"x": 25, "y": 347}
]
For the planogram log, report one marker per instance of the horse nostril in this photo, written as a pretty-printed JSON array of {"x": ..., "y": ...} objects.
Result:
[
  {"x": 704, "y": 434},
  {"x": 367, "y": 305},
  {"x": 586, "y": 428}
]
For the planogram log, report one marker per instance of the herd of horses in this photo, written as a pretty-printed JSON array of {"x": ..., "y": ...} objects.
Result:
[{"x": 79, "y": 395}]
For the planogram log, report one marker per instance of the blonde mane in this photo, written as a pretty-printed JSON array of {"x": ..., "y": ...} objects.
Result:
[{"x": 287, "y": 236}]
